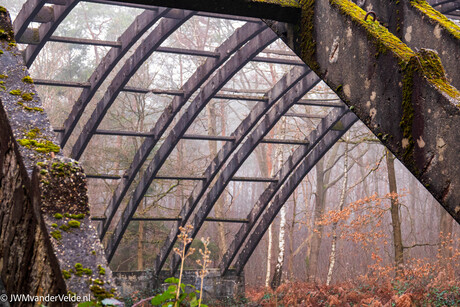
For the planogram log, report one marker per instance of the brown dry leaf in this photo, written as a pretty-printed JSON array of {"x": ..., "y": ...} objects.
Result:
[
  {"x": 353, "y": 297},
  {"x": 333, "y": 301},
  {"x": 389, "y": 304},
  {"x": 375, "y": 303},
  {"x": 370, "y": 302},
  {"x": 404, "y": 300}
]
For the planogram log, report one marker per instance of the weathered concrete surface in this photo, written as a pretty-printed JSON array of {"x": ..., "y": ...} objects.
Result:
[
  {"x": 418, "y": 25},
  {"x": 281, "y": 10},
  {"x": 215, "y": 286},
  {"x": 401, "y": 95},
  {"x": 47, "y": 243}
]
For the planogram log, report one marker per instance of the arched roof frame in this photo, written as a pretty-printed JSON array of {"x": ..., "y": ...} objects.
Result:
[
  {"x": 34, "y": 10},
  {"x": 228, "y": 48},
  {"x": 164, "y": 29},
  {"x": 260, "y": 131},
  {"x": 326, "y": 124},
  {"x": 273, "y": 96},
  {"x": 217, "y": 81},
  {"x": 104, "y": 68},
  {"x": 324, "y": 144},
  {"x": 132, "y": 34}
]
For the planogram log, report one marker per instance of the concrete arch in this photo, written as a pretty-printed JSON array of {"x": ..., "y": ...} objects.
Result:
[
  {"x": 131, "y": 35},
  {"x": 326, "y": 124},
  {"x": 265, "y": 125},
  {"x": 280, "y": 89},
  {"x": 228, "y": 48},
  {"x": 147, "y": 47},
  {"x": 329, "y": 139},
  {"x": 231, "y": 67}
]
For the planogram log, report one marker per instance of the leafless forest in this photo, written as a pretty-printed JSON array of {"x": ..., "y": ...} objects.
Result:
[{"x": 359, "y": 217}]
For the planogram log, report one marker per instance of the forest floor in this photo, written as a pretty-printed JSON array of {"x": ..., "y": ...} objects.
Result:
[
  {"x": 426, "y": 285},
  {"x": 375, "y": 295}
]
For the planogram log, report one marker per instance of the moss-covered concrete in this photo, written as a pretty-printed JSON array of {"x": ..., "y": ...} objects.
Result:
[
  {"x": 47, "y": 242},
  {"x": 436, "y": 18},
  {"x": 419, "y": 26},
  {"x": 404, "y": 95}
]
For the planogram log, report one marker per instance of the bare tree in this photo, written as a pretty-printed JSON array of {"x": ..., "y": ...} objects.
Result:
[
  {"x": 395, "y": 220},
  {"x": 333, "y": 254}
]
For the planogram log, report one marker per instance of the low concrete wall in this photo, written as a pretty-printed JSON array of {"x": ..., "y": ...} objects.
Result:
[{"x": 215, "y": 286}]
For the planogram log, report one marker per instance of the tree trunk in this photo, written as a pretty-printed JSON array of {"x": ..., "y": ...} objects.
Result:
[
  {"x": 291, "y": 237},
  {"x": 140, "y": 247},
  {"x": 323, "y": 174},
  {"x": 265, "y": 161},
  {"x": 445, "y": 235},
  {"x": 312, "y": 260},
  {"x": 333, "y": 254},
  {"x": 219, "y": 206},
  {"x": 269, "y": 255},
  {"x": 395, "y": 221},
  {"x": 276, "y": 281}
]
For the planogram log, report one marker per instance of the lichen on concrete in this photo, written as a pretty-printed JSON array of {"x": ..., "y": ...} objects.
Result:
[
  {"x": 307, "y": 27},
  {"x": 430, "y": 65},
  {"x": 436, "y": 17},
  {"x": 432, "y": 68},
  {"x": 57, "y": 230},
  {"x": 64, "y": 206},
  {"x": 284, "y": 3},
  {"x": 383, "y": 39}
]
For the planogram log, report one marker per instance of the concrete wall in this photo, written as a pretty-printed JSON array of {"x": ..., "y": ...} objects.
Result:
[
  {"x": 47, "y": 243},
  {"x": 215, "y": 286},
  {"x": 402, "y": 95}
]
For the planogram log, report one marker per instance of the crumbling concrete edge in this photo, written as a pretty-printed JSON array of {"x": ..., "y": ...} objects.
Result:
[
  {"x": 403, "y": 96},
  {"x": 47, "y": 243}
]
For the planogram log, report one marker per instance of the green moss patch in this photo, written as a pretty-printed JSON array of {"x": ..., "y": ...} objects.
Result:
[
  {"x": 56, "y": 234},
  {"x": 284, "y": 3},
  {"x": 307, "y": 39},
  {"x": 64, "y": 227},
  {"x": 27, "y": 96},
  {"x": 100, "y": 293},
  {"x": 75, "y": 216},
  {"x": 27, "y": 108},
  {"x": 7, "y": 35},
  {"x": 66, "y": 169},
  {"x": 27, "y": 79},
  {"x": 437, "y": 17},
  {"x": 431, "y": 67},
  {"x": 33, "y": 133},
  {"x": 66, "y": 274},
  {"x": 69, "y": 225},
  {"x": 42, "y": 147},
  {"x": 34, "y": 140},
  {"x": 379, "y": 35},
  {"x": 16, "y": 92},
  {"x": 80, "y": 270},
  {"x": 101, "y": 270},
  {"x": 74, "y": 224}
]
